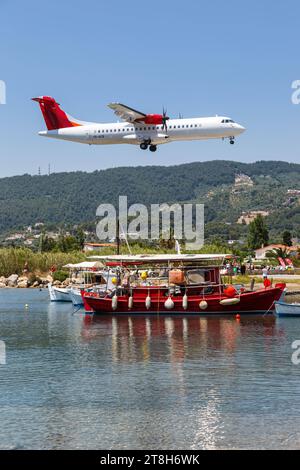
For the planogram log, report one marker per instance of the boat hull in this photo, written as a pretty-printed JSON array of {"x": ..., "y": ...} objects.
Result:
[
  {"x": 75, "y": 295},
  {"x": 256, "y": 302},
  {"x": 287, "y": 310},
  {"x": 59, "y": 294}
]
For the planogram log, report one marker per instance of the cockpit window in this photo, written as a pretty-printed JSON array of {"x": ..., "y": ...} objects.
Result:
[{"x": 227, "y": 121}]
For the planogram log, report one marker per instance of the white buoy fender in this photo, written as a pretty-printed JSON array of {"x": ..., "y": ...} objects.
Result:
[
  {"x": 203, "y": 305},
  {"x": 130, "y": 302},
  {"x": 169, "y": 304},
  {"x": 148, "y": 302},
  {"x": 114, "y": 302},
  {"x": 185, "y": 302},
  {"x": 233, "y": 301}
]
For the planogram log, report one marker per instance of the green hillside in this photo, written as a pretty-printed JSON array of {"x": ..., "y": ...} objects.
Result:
[{"x": 72, "y": 198}]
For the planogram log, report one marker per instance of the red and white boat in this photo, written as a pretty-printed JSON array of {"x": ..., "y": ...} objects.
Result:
[{"x": 176, "y": 284}]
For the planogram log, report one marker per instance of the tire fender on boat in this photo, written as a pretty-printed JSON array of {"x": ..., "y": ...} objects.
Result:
[
  {"x": 203, "y": 305},
  {"x": 185, "y": 302},
  {"x": 169, "y": 304},
  {"x": 233, "y": 301},
  {"x": 114, "y": 302}
]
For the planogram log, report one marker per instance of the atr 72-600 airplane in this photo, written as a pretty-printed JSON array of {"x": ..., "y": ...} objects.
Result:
[{"x": 145, "y": 130}]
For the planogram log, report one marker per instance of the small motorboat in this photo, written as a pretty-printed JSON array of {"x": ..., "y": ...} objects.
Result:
[
  {"x": 59, "y": 294},
  {"x": 287, "y": 310}
]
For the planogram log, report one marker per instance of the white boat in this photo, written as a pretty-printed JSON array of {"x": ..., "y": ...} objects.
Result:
[
  {"x": 75, "y": 295},
  {"x": 287, "y": 310},
  {"x": 59, "y": 294},
  {"x": 89, "y": 271}
]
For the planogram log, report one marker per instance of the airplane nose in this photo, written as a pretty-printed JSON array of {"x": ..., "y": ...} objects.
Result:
[{"x": 241, "y": 128}]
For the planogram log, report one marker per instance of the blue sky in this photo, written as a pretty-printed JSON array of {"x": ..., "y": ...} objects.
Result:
[{"x": 197, "y": 58}]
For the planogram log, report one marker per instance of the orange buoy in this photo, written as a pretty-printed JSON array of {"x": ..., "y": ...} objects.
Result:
[{"x": 230, "y": 291}]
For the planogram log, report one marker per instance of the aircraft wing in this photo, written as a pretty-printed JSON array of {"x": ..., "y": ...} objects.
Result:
[{"x": 125, "y": 113}]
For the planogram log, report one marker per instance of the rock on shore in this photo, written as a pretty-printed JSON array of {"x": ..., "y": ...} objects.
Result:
[{"x": 23, "y": 282}]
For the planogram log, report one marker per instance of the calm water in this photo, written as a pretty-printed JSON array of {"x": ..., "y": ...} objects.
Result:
[{"x": 74, "y": 381}]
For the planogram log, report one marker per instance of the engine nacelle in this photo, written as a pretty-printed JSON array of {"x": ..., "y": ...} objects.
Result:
[{"x": 153, "y": 119}]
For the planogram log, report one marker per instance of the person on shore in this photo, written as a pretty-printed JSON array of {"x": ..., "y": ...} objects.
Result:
[
  {"x": 229, "y": 271},
  {"x": 265, "y": 272},
  {"x": 243, "y": 269},
  {"x": 26, "y": 268}
]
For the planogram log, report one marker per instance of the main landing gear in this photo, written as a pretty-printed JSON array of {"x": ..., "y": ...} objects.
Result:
[{"x": 145, "y": 145}]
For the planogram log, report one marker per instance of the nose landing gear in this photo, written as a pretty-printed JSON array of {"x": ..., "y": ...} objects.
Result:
[{"x": 231, "y": 140}]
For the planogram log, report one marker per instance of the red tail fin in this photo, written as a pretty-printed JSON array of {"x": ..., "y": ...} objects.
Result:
[{"x": 54, "y": 116}]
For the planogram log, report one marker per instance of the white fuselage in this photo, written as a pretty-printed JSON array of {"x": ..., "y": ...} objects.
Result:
[{"x": 217, "y": 127}]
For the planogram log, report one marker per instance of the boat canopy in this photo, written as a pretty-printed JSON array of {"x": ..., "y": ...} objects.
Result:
[
  {"x": 85, "y": 265},
  {"x": 214, "y": 259}
]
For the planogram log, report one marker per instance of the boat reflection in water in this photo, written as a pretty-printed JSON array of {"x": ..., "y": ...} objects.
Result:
[{"x": 145, "y": 338}]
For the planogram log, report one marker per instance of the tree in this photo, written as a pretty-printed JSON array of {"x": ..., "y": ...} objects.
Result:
[
  {"x": 277, "y": 253},
  {"x": 258, "y": 234},
  {"x": 80, "y": 238},
  {"x": 287, "y": 238}
]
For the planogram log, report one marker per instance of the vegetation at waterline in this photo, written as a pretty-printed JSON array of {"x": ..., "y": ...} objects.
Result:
[{"x": 13, "y": 260}]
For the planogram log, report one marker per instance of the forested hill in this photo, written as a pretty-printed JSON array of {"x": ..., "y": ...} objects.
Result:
[{"x": 73, "y": 197}]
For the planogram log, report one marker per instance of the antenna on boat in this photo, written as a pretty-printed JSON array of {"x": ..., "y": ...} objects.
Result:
[
  {"x": 177, "y": 247},
  {"x": 118, "y": 236},
  {"x": 126, "y": 239}
]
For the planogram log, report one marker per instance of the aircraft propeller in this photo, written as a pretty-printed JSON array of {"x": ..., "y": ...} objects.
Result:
[{"x": 165, "y": 118}]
